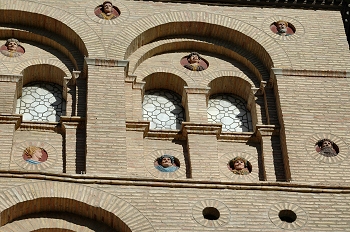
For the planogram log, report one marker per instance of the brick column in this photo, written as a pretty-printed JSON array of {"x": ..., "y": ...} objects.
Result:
[
  {"x": 105, "y": 121},
  {"x": 75, "y": 158},
  {"x": 272, "y": 158},
  {"x": 202, "y": 149},
  {"x": 133, "y": 92},
  {"x": 8, "y": 125},
  {"x": 195, "y": 101},
  {"x": 10, "y": 85}
]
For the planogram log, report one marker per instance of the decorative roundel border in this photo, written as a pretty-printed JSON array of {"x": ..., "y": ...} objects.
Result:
[
  {"x": 300, "y": 213},
  {"x": 299, "y": 28},
  {"x": 310, "y": 148},
  {"x": 124, "y": 13},
  {"x": 17, "y": 155},
  {"x": 149, "y": 164},
  {"x": 199, "y": 206},
  {"x": 212, "y": 62},
  {"x": 252, "y": 177}
]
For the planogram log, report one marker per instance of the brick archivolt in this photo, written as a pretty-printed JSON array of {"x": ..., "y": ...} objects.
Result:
[
  {"x": 222, "y": 27},
  {"x": 54, "y": 46},
  {"x": 52, "y": 19},
  {"x": 221, "y": 48},
  {"x": 80, "y": 200},
  {"x": 51, "y": 224}
]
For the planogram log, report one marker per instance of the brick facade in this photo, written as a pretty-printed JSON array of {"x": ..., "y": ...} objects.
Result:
[{"x": 100, "y": 173}]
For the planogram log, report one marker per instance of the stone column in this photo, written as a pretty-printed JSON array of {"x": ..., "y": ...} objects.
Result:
[{"x": 105, "y": 121}]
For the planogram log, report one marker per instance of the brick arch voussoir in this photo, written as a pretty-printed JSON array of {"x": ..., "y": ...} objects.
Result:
[
  {"x": 42, "y": 224},
  {"x": 79, "y": 27},
  {"x": 18, "y": 69},
  {"x": 149, "y": 71},
  {"x": 268, "y": 48},
  {"x": 28, "y": 193},
  {"x": 215, "y": 75},
  {"x": 4, "y": 68}
]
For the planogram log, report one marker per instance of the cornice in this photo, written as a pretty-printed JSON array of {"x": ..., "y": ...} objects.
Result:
[{"x": 304, "y": 4}]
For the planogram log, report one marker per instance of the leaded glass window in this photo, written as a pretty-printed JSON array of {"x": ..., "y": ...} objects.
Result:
[
  {"x": 163, "y": 109},
  {"x": 41, "y": 102},
  {"x": 231, "y": 111}
]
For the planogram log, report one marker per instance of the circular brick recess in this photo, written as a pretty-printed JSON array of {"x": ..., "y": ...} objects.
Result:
[
  {"x": 19, "y": 148},
  {"x": 224, "y": 168},
  {"x": 287, "y": 216},
  {"x": 152, "y": 157},
  {"x": 299, "y": 29},
  {"x": 211, "y": 213},
  {"x": 124, "y": 13},
  {"x": 311, "y": 151}
]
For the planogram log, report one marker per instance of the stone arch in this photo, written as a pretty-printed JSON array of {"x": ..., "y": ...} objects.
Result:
[
  {"x": 218, "y": 26},
  {"x": 166, "y": 71},
  {"x": 81, "y": 200},
  {"x": 54, "y": 20}
]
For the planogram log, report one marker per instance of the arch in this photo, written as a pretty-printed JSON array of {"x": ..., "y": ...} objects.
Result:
[
  {"x": 54, "y": 20},
  {"x": 56, "y": 221},
  {"x": 59, "y": 47},
  {"x": 231, "y": 84},
  {"x": 164, "y": 80},
  {"x": 43, "y": 72},
  {"x": 41, "y": 63},
  {"x": 231, "y": 30},
  {"x": 81, "y": 200},
  {"x": 202, "y": 45},
  {"x": 237, "y": 86}
]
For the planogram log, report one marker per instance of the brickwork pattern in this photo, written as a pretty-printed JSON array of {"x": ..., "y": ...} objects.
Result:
[{"x": 295, "y": 89}]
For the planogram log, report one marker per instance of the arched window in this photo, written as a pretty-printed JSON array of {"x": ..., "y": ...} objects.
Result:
[
  {"x": 163, "y": 109},
  {"x": 231, "y": 111},
  {"x": 41, "y": 102}
]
